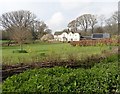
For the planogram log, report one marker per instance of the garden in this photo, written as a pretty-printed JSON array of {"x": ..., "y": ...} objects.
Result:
[
  {"x": 34, "y": 61},
  {"x": 102, "y": 78},
  {"x": 60, "y": 67}
]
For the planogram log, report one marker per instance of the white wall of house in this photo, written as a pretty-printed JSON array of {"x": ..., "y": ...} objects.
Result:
[
  {"x": 64, "y": 36},
  {"x": 57, "y": 37},
  {"x": 76, "y": 37},
  {"x": 67, "y": 37},
  {"x": 70, "y": 36}
]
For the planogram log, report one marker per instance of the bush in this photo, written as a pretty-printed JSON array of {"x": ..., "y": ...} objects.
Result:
[
  {"x": 103, "y": 78},
  {"x": 98, "y": 42},
  {"x": 20, "y": 51}
]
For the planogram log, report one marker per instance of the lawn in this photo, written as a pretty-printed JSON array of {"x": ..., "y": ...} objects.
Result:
[
  {"x": 38, "y": 51},
  {"x": 3, "y": 41}
]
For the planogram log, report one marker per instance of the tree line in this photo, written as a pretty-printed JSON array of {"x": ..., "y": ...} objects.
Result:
[
  {"x": 94, "y": 23},
  {"x": 22, "y": 26}
]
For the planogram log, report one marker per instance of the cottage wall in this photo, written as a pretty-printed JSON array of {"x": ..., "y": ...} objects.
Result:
[
  {"x": 76, "y": 37},
  {"x": 70, "y": 36},
  {"x": 67, "y": 37}
]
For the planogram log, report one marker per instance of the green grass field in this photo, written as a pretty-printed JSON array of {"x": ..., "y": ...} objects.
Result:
[
  {"x": 36, "y": 51},
  {"x": 3, "y": 41}
]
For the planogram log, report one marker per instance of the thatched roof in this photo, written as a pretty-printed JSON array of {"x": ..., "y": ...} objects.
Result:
[{"x": 47, "y": 37}]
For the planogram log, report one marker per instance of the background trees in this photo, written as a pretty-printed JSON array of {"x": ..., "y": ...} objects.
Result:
[
  {"x": 87, "y": 21},
  {"x": 91, "y": 23},
  {"x": 22, "y": 26},
  {"x": 21, "y": 35},
  {"x": 112, "y": 24},
  {"x": 101, "y": 20},
  {"x": 115, "y": 17},
  {"x": 23, "y": 21},
  {"x": 72, "y": 25},
  {"x": 39, "y": 29},
  {"x": 83, "y": 22},
  {"x": 17, "y": 23},
  {"x": 92, "y": 20},
  {"x": 18, "y": 19}
]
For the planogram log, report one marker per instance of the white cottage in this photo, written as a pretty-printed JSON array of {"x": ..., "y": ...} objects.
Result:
[{"x": 67, "y": 36}]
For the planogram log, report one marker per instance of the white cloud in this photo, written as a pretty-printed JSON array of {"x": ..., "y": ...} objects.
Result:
[
  {"x": 56, "y": 20},
  {"x": 72, "y": 4},
  {"x": 69, "y": 4},
  {"x": 99, "y": 8}
]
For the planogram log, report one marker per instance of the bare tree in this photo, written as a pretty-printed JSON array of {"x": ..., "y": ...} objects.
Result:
[
  {"x": 17, "y": 23},
  {"x": 112, "y": 20},
  {"x": 99, "y": 30},
  {"x": 17, "y": 18},
  {"x": 83, "y": 22},
  {"x": 72, "y": 25},
  {"x": 92, "y": 21},
  {"x": 115, "y": 17},
  {"x": 111, "y": 24},
  {"x": 21, "y": 35},
  {"x": 101, "y": 19},
  {"x": 86, "y": 21},
  {"x": 40, "y": 28}
]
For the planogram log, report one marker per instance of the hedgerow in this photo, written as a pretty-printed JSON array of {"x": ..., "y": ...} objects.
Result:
[
  {"x": 101, "y": 79},
  {"x": 98, "y": 42}
]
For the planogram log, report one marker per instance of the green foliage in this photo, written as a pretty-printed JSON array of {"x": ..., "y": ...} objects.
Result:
[
  {"x": 20, "y": 51},
  {"x": 103, "y": 78}
]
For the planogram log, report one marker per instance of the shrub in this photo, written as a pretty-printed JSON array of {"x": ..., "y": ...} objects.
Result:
[
  {"x": 98, "y": 42},
  {"x": 72, "y": 57},
  {"x": 20, "y": 51},
  {"x": 52, "y": 57},
  {"x": 43, "y": 54},
  {"x": 103, "y": 78}
]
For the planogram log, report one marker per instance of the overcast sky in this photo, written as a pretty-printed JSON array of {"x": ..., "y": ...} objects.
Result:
[{"x": 58, "y": 13}]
